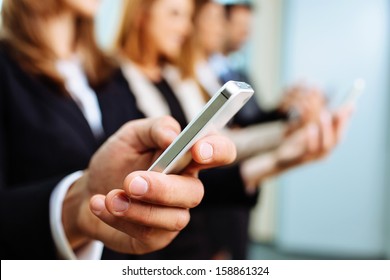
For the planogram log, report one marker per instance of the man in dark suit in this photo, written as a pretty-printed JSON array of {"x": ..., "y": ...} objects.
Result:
[
  {"x": 239, "y": 16},
  {"x": 229, "y": 223}
]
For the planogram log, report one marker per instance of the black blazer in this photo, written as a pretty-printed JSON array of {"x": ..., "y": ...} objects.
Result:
[{"x": 44, "y": 137}]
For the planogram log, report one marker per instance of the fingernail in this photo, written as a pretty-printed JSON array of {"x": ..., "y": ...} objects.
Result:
[
  {"x": 138, "y": 186},
  {"x": 206, "y": 151},
  {"x": 97, "y": 205},
  {"x": 120, "y": 203},
  {"x": 173, "y": 134}
]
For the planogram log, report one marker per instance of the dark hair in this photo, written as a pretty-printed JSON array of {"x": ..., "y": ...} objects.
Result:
[{"x": 243, "y": 4}]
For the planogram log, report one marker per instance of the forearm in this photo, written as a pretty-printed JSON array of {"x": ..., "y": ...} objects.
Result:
[
  {"x": 291, "y": 153},
  {"x": 257, "y": 168},
  {"x": 256, "y": 138}
]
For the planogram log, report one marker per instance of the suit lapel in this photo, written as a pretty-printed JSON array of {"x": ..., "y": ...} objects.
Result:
[{"x": 71, "y": 117}]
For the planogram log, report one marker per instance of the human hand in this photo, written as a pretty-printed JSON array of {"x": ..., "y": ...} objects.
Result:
[
  {"x": 315, "y": 140},
  {"x": 305, "y": 102},
  {"x": 307, "y": 144},
  {"x": 141, "y": 211}
]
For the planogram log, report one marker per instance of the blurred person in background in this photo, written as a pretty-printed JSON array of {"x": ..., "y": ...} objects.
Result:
[
  {"x": 67, "y": 151},
  {"x": 164, "y": 26},
  {"x": 237, "y": 30},
  {"x": 151, "y": 36},
  {"x": 150, "y": 39},
  {"x": 222, "y": 30},
  {"x": 311, "y": 136}
]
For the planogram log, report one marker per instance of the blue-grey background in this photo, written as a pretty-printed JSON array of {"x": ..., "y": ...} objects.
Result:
[{"x": 340, "y": 207}]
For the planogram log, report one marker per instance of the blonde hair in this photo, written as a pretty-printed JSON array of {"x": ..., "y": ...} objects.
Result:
[
  {"x": 131, "y": 38},
  {"x": 23, "y": 24}
]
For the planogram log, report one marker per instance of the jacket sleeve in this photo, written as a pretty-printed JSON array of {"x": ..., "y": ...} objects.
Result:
[
  {"x": 252, "y": 114},
  {"x": 24, "y": 219}
]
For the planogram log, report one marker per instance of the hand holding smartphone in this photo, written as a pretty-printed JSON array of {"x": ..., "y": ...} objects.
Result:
[
  {"x": 215, "y": 115},
  {"x": 334, "y": 101}
]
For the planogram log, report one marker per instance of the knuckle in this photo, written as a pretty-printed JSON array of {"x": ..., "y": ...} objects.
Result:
[
  {"x": 168, "y": 196},
  {"x": 182, "y": 219},
  {"x": 197, "y": 197},
  {"x": 193, "y": 194},
  {"x": 147, "y": 216},
  {"x": 165, "y": 121},
  {"x": 146, "y": 234}
]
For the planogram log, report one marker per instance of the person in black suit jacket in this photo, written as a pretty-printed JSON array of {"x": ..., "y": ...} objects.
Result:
[{"x": 65, "y": 107}]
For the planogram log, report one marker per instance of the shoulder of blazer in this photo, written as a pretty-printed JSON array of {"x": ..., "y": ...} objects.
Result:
[
  {"x": 3, "y": 66},
  {"x": 12, "y": 73},
  {"x": 5, "y": 61}
]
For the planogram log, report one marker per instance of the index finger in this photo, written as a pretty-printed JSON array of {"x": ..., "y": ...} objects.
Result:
[
  {"x": 162, "y": 189},
  {"x": 151, "y": 133},
  {"x": 212, "y": 151}
]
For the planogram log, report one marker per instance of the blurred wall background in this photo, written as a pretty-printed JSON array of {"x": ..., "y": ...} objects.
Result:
[
  {"x": 107, "y": 22},
  {"x": 339, "y": 207}
]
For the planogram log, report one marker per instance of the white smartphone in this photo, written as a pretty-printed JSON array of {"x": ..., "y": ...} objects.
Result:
[
  {"x": 215, "y": 114},
  {"x": 350, "y": 96}
]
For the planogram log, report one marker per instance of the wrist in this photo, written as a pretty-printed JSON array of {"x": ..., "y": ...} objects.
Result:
[
  {"x": 76, "y": 214},
  {"x": 257, "y": 168}
]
